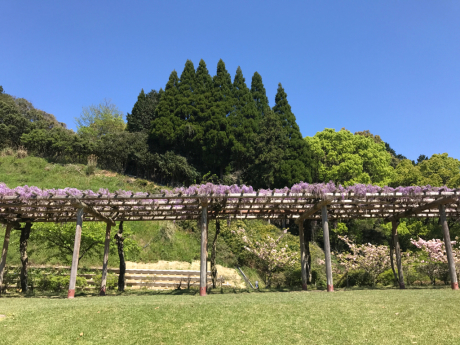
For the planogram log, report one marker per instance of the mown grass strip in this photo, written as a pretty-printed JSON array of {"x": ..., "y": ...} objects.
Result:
[{"x": 352, "y": 317}]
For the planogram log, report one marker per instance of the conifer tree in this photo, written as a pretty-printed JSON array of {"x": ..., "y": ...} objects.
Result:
[
  {"x": 243, "y": 122},
  {"x": 164, "y": 127},
  {"x": 185, "y": 103},
  {"x": 143, "y": 112},
  {"x": 270, "y": 147},
  {"x": 203, "y": 104},
  {"x": 259, "y": 94},
  {"x": 185, "y": 111},
  {"x": 297, "y": 158},
  {"x": 216, "y": 144}
]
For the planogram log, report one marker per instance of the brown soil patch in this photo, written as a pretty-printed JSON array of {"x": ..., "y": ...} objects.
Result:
[{"x": 106, "y": 173}]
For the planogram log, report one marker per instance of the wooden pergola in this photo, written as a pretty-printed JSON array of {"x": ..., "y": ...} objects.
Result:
[{"x": 299, "y": 207}]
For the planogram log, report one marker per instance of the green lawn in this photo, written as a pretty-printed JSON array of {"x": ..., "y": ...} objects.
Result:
[{"x": 353, "y": 317}]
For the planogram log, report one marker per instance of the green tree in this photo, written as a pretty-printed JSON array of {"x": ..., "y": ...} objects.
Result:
[
  {"x": 164, "y": 127},
  {"x": 348, "y": 159},
  {"x": 12, "y": 125},
  {"x": 216, "y": 143},
  {"x": 186, "y": 113},
  {"x": 406, "y": 174},
  {"x": 296, "y": 165},
  {"x": 441, "y": 170},
  {"x": 270, "y": 147},
  {"x": 143, "y": 112},
  {"x": 203, "y": 104},
  {"x": 57, "y": 240},
  {"x": 243, "y": 122},
  {"x": 259, "y": 94},
  {"x": 96, "y": 121}
]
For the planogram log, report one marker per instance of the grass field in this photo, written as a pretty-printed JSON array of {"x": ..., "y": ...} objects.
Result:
[{"x": 351, "y": 317}]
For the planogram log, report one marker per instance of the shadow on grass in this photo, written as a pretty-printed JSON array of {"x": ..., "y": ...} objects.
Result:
[{"x": 195, "y": 292}]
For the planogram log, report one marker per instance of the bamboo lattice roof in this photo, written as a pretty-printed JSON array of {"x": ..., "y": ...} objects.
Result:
[{"x": 279, "y": 204}]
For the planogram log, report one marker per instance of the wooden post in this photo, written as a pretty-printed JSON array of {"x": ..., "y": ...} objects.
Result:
[
  {"x": 450, "y": 256},
  {"x": 6, "y": 242},
  {"x": 76, "y": 254},
  {"x": 105, "y": 261},
  {"x": 394, "y": 231},
  {"x": 327, "y": 249},
  {"x": 303, "y": 262},
  {"x": 213, "y": 255},
  {"x": 204, "y": 249}
]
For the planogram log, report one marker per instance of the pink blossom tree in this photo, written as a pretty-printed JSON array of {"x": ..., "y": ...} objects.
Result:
[
  {"x": 272, "y": 254},
  {"x": 434, "y": 264},
  {"x": 374, "y": 260}
]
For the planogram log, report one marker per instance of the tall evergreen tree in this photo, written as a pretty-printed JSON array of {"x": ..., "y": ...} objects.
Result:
[
  {"x": 296, "y": 165},
  {"x": 259, "y": 94},
  {"x": 216, "y": 144},
  {"x": 165, "y": 124},
  {"x": 185, "y": 111},
  {"x": 270, "y": 147},
  {"x": 185, "y": 102},
  {"x": 243, "y": 122},
  {"x": 203, "y": 105},
  {"x": 143, "y": 112}
]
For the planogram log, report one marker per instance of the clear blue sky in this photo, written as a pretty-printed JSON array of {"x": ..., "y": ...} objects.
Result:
[{"x": 392, "y": 67}]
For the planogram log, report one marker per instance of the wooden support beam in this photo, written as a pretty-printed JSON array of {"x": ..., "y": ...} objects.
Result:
[
  {"x": 448, "y": 244},
  {"x": 6, "y": 242},
  {"x": 303, "y": 261},
  {"x": 317, "y": 207},
  {"x": 394, "y": 232},
  {"x": 105, "y": 261},
  {"x": 76, "y": 254},
  {"x": 204, "y": 248},
  {"x": 89, "y": 209},
  {"x": 433, "y": 204},
  {"x": 327, "y": 249}
]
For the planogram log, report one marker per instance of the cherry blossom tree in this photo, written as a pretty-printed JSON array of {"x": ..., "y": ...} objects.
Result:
[
  {"x": 434, "y": 264},
  {"x": 374, "y": 260},
  {"x": 271, "y": 253}
]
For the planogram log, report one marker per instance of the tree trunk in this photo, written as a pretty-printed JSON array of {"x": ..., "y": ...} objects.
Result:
[
  {"x": 121, "y": 254},
  {"x": 204, "y": 249},
  {"x": 307, "y": 251},
  {"x": 313, "y": 230},
  {"x": 213, "y": 256},
  {"x": 25, "y": 233},
  {"x": 394, "y": 225},
  {"x": 303, "y": 258},
  {"x": 392, "y": 262}
]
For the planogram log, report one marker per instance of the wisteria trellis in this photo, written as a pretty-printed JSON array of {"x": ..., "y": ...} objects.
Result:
[
  {"x": 356, "y": 201},
  {"x": 207, "y": 201}
]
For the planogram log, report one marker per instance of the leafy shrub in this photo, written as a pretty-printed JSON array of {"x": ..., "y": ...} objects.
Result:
[
  {"x": 90, "y": 169},
  {"x": 111, "y": 283},
  {"x": 386, "y": 278},
  {"x": 167, "y": 232},
  {"x": 318, "y": 278},
  {"x": 21, "y": 152},
  {"x": 59, "y": 283},
  {"x": 7, "y": 151}
]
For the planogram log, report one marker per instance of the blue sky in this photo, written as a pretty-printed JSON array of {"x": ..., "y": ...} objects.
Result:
[{"x": 392, "y": 67}]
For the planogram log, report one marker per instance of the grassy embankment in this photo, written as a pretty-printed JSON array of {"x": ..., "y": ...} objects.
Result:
[{"x": 352, "y": 317}]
